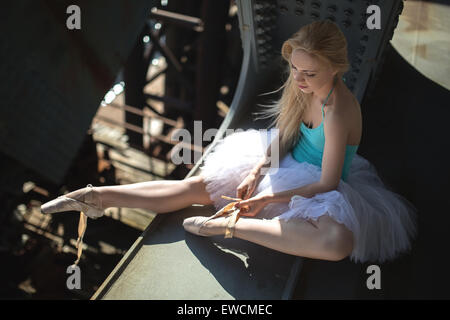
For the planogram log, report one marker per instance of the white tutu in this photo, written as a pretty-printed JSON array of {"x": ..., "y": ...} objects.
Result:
[{"x": 383, "y": 223}]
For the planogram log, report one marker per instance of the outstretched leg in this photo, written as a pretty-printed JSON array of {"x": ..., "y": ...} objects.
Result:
[{"x": 161, "y": 196}]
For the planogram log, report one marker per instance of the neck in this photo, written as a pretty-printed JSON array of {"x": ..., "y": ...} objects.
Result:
[{"x": 323, "y": 92}]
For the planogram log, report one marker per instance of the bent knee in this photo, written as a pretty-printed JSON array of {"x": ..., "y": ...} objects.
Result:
[
  {"x": 339, "y": 242},
  {"x": 198, "y": 186}
]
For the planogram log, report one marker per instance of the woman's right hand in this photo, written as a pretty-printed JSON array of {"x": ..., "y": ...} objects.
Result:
[{"x": 248, "y": 186}]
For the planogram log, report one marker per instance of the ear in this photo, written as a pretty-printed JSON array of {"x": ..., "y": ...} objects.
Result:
[{"x": 334, "y": 71}]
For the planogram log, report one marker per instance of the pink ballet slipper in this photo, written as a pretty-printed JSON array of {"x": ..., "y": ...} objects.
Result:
[{"x": 88, "y": 203}]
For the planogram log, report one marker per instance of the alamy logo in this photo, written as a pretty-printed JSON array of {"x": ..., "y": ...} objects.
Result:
[
  {"x": 374, "y": 20},
  {"x": 374, "y": 280},
  {"x": 182, "y": 155},
  {"x": 74, "y": 280},
  {"x": 74, "y": 20}
]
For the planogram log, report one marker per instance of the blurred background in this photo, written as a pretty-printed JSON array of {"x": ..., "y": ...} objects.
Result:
[{"x": 99, "y": 105}]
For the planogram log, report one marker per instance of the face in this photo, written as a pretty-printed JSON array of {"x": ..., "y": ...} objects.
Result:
[{"x": 310, "y": 72}]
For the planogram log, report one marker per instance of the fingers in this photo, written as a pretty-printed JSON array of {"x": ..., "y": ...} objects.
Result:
[
  {"x": 241, "y": 191},
  {"x": 247, "y": 212},
  {"x": 240, "y": 204},
  {"x": 249, "y": 194},
  {"x": 245, "y": 194},
  {"x": 250, "y": 207},
  {"x": 244, "y": 204}
]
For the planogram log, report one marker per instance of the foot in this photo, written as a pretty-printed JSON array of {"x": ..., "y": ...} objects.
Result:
[
  {"x": 89, "y": 195},
  {"x": 201, "y": 226},
  {"x": 86, "y": 200},
  {"x": 215, "y": 226}
]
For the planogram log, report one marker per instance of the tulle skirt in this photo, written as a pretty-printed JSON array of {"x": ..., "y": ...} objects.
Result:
[{"x": 383, "y": 223}]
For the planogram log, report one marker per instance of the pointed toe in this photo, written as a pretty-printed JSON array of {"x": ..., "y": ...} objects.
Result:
[
  {"x": 45, "y": 208},
  {"x": 51, "y": 206},
  {"x": 63, "y": 203},
  {"x": 194, "y": 224}
]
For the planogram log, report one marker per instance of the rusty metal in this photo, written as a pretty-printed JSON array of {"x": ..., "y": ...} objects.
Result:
[
  {"x": 177, "y": 19},
  {"x": 146, "y": 114}
]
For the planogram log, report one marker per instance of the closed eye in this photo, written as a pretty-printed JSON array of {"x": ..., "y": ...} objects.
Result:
[{"x": 310, "y": 75}]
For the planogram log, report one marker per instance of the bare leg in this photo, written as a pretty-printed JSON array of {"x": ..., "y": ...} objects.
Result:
[
  {"x": 324, "y": 239},
  {"x": 160, "y": 196}
]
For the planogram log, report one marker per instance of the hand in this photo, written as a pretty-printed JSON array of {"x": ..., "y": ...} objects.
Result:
[
  {"x": 253, "y": 206},
  {"x": 247, "y": 187}
]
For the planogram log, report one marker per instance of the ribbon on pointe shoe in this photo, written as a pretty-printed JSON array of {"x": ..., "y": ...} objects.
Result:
[
  {"x": 88, "y": 197},
  {"x": 230, "y": 211},
  {"x": 82, "y": 225},
  {"x": 234, "y": 217}
]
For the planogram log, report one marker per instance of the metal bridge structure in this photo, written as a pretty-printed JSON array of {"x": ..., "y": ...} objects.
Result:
[
  {"x": 167, "y": 263},
  {"x": 54, "y": 79}
]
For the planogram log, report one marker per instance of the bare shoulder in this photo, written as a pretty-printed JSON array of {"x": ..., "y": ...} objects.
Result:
[
  {"x": 346, "y": 112},
  {"x": 345, "y": 109}
]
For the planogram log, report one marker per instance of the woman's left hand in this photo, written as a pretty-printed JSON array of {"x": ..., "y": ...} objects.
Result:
[{"x": 251, "y": 207}]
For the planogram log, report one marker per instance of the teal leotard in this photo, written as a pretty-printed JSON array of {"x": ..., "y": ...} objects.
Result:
[{"x": 311, "y": 143}]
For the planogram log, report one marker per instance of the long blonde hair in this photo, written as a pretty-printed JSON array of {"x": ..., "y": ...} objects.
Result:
[{"x": 323, "y": 39}]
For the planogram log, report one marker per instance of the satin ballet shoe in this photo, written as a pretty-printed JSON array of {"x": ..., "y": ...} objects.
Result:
[
  {"x": 195, "y": 224},
  {"x": 87, "y": 202}
]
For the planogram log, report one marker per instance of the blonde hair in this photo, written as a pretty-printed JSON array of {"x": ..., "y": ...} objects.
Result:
[{"x": 323, "y": 39}]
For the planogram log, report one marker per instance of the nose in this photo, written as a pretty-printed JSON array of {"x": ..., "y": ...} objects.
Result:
[{"x": 298, "y": 77}]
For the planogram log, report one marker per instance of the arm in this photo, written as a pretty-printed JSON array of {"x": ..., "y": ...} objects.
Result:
[{"x": 336, "y": 133}]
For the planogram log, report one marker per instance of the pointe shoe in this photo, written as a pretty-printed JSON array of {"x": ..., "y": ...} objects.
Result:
[
  {"x": 87, "y": 202},
  {"x": 195, "y": 224}
]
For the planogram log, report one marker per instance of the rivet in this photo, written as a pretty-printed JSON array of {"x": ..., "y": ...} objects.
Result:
[
  {"x": 332, "y": 9},
  {"x": 315, "y": 15},
  {"x": 283, "y": 9},
  {"x": 348, "y": 12},
  {"x": 315, "y": 5}
]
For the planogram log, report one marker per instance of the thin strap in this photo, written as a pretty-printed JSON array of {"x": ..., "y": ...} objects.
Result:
[{"x": 323, "y": 115}]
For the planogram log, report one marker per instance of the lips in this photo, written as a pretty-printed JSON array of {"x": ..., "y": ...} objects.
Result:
[{"x": 302, "y": 87}]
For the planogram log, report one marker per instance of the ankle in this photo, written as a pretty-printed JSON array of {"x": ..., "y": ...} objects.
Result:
[{"x": 97, "y": 197}]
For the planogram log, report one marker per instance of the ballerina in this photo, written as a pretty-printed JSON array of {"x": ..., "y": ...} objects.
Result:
[{"x": 324, "y": 201}]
